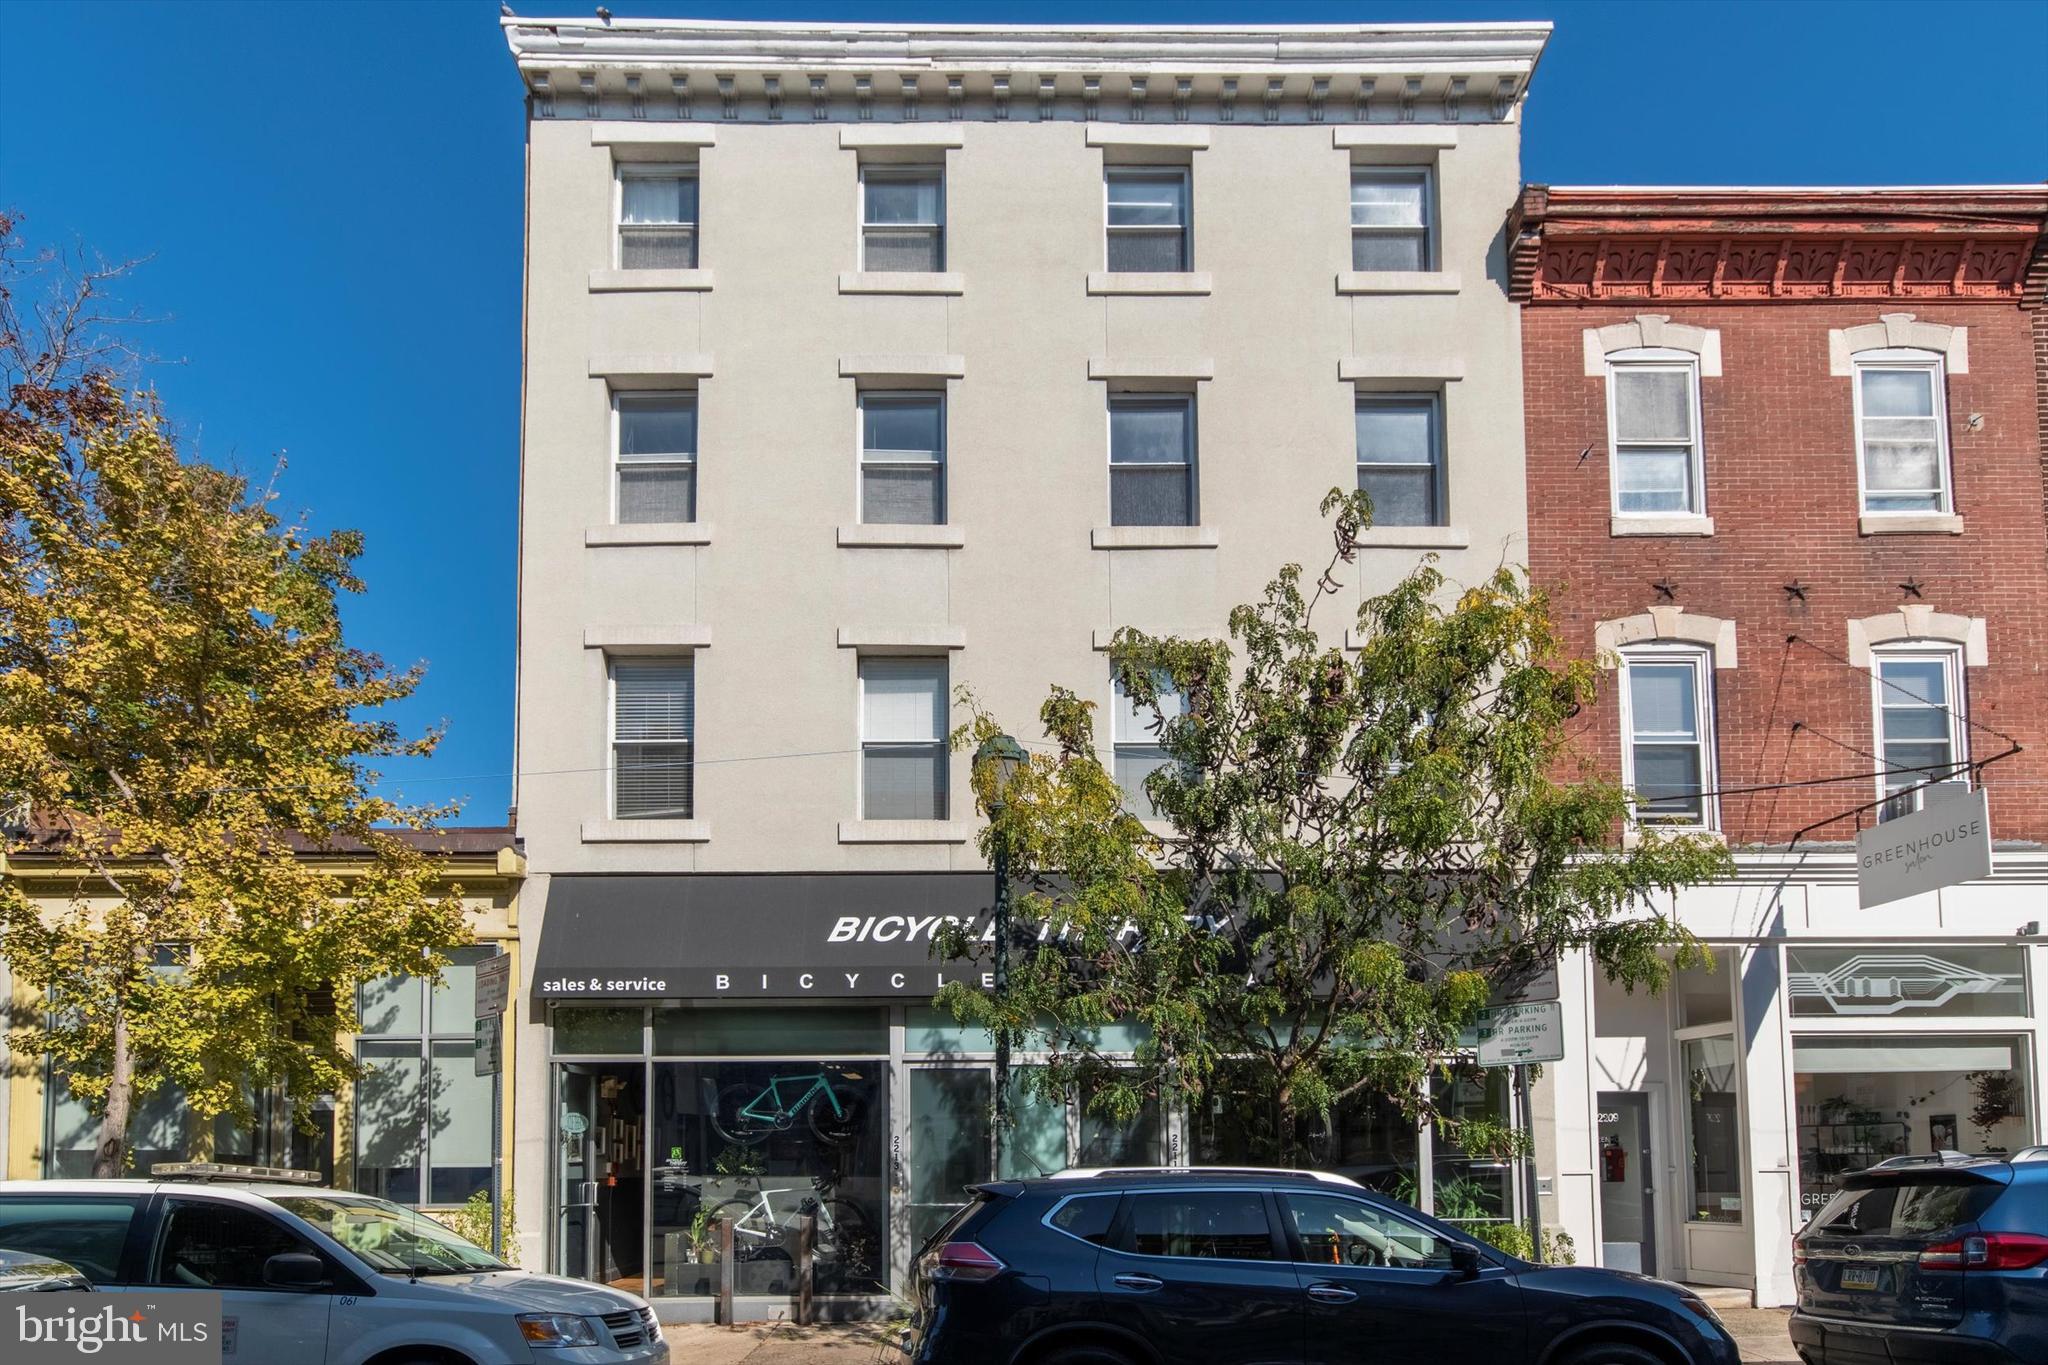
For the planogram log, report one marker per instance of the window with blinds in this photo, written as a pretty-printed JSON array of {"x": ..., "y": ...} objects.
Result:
[
  {"x": 903, "y": 218},
  {"x": 1148, "y": 220},
  {"x": 1152, "y": 461},
  {"x": 903, "y": 739},
  {"x": 1390, "y": 220},
  {"x": 656, "y": 457},
  {"x": 654, "y": 705},
  {"x": 1653, "y": 417},
  {"x": 657, "y": 219},
  {"x": 903, "y": 459},
  {"x": 1919, "y": 728},
  {"x": 1669, "y": 757},
  {"x": 1400, "y": 458}
]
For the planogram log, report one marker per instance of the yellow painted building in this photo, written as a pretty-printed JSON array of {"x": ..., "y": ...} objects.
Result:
[{"x": 416, "y": 1128}]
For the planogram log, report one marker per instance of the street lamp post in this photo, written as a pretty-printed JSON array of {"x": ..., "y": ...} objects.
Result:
[{"x": 1007, "y": 756}]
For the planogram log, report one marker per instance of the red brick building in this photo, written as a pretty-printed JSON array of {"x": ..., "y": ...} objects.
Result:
[{"x": 1785, "y": 471}]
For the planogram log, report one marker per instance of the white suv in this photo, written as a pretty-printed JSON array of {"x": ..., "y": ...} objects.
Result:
[{"x": 312, "y": 1276}]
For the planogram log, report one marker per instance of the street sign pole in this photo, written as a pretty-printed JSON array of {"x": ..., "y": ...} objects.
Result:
[
  {"x": 493, "y": 989},
  {"x": 497, "y": 1167},
  {"x": 1534, "y": 1212}
]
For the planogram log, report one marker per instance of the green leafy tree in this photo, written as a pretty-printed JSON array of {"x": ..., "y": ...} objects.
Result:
[
  {"x": 179, "y": 708},
  {"x": 1353, "y": 853}
]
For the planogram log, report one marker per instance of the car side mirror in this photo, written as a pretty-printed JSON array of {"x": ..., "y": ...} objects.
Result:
[
  {"x": 1465, "y": 1261},
  {"x": 295, "y": 1270}
]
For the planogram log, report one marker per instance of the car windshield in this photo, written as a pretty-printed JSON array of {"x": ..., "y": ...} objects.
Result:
[{"x": 391, "y": 1237}]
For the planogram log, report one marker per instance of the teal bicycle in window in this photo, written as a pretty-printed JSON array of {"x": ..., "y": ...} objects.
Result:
[{"x": 745, "y": 1114}]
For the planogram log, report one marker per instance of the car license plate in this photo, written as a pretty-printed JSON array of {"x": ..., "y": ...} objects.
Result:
[{"x": 1859, "y": 1276}]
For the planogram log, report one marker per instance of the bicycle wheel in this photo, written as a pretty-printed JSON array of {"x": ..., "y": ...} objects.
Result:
[
  {"x": 838, "y": 1127},
  {"x": 751, "y": 1237},
  {"x": 733, "y": 1120},
  {"x": 845, "y": 1238}
]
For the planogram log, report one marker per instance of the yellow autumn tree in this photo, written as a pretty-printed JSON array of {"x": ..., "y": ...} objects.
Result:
[{"x": 180, "y": 712}]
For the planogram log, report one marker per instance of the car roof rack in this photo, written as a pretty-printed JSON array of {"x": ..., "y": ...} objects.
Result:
[
  {"x": 1263, "y": 1172},
  {"x": 1947, "y": 1157},
  {"x": 2037, "y": 1152},
  {"x": 203, "y": 1171}
]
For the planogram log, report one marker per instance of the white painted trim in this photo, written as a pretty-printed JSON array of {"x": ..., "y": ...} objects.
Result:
[
  {"x": 1911, "y": 361},
  {"x": 635, "y": 133},
  {"x": 655, "y": 639},
  {"x": 1704, "y": 660},
  {"x": 1919, "y": 621},
  {"x": 1677, "y": 524},
  {"x": 646, "y": 832},
  {"x": 1665, "y": 623},
  {"x": 901, "y": 282},
  {"x": 902, "y": 639},
  {"x": 1154, "y": 538},
  {"x": 1950, "y": 657},
  {"x": 1401, "y": 368},
  {"x": 885, "y": 366},
  {"x": 1191, "y": 282},
  {"x": 1909, "y": 524},
  {"x": 1399, "y": 282},
  {"x": 936, "y": 135},
  {"x": 649, "y": 281},
  {"x": 905, "y": 831},
  {"x": 865, "y": 536},
  {"x": 1658, "y": 358},
  {"x": 1400, "y": 135},
  {"x": 1195, "y": 369},
  {"x": 649, "y": 533},
  {"x": 1111, "y": 135}
]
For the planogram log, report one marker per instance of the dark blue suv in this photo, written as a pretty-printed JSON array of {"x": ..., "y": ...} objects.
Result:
[
  {"x": 1941, "y": 1259},
  {"x": 1244, "y": 1267}
]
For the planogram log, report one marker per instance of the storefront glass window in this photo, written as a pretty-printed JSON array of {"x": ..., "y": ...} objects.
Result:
[
  {"x": 156, "y": 1131},
  {"x": 1366, "y": 1137},
  {"x": 420, "y": 1105},
  {"x": 1715, "y": 1126},
  {"x": 597, "y": 1030},
  {"x": 1471, "y": 1188},
  {"x": 1935, "y": 981},
  {"x": 1864, "y": 1099},
  {"x": 1036, "y": 1143},
  {"x": 762, "y": 1143},
  {"x": 951, "y": 1116},
  {"x": 1107, "y": 1141},
  {"x": 769, "y": 1033}
]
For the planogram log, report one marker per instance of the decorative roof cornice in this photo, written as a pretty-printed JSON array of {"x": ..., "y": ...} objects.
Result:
[
  {"x": 1624, "y": 245},
  {"x": 686, "y": 68}
]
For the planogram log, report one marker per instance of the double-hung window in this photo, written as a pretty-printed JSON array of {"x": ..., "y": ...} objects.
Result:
[
  {"x": 422, "y": 1114},
  {"x": 1401, "y": 459},
  {"x": 1919, "y": 724},
  {"x": 1152, "y": 460},
  {"x": 657, "y": 218},
  {"x": 903, "y": 459},
  {"x": 1902, "y": 432},
  {"x": 903, "y": 738},
  {"x": 903, "y": 218},
  {"x": 1390, "y": 212},
  {"x": 1148, "y": 220},
  {"x": 656, "y": 435},
  {"x": 1667, "y": 720},
  {"x": 1653, "y": 419},
  {"x": 1135, "y": 736},
  {"x": 654, "y": 730}
]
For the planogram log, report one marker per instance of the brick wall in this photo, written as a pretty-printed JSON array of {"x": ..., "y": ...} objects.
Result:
[{"x": 1781, "y": 486}]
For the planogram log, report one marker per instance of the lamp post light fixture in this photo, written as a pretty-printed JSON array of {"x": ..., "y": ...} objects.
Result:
[{"x": 1005, "y": 756}]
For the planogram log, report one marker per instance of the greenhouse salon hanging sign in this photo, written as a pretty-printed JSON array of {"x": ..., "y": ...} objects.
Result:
[{"x": 1913, "y": 854}]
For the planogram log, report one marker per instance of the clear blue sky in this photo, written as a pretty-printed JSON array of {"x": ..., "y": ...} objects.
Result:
[{"x": 331, "y": 196}]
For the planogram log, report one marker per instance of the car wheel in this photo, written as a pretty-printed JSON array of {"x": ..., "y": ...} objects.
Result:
[
  {"x": 1614, "y": 1353},
  {"x": 1087, "y": 1353}
]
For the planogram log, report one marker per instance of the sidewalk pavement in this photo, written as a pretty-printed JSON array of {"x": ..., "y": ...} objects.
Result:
[{"x": 1760, "y": 1332}]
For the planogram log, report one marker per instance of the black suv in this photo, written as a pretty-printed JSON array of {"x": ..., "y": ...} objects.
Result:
[
  {"x": 1941, "y": 1259},
  {"x": 1247, "y": 1267}
]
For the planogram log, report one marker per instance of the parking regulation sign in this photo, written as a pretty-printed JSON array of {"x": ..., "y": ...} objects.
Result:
[{"x": 1516, "y": 1035}]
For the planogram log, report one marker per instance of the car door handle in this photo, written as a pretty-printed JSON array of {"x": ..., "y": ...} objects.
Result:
[
  {"x": 1331, "y": 1293},
  {"x": 1143, "y": 1284}
]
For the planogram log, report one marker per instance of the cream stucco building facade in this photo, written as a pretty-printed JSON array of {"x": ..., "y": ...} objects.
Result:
[{"x": 867, "y": 364}]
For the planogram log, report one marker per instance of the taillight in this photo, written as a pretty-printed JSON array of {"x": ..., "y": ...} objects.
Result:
[
  {"x": 1987, "y": 1251},
  {"x": 1799, "y": 1253},
  {"x": 968, "y": 1261}
]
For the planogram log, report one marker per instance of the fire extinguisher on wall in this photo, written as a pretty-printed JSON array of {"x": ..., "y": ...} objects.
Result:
[{"x": 1614, "y": 1159}]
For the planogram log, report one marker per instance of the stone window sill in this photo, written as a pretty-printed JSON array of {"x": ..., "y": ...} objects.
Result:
[
  {"x": 904, "y": 537},
  {"x": 1909, "y": 524},
  {"x": 646, "y": 832},
  {"x": 901, "y": 282},
  {"x": 1660, "y": 526},
  {"x": 905, "y": 831},
  {"x": 1145, "y": 282},
  {"x": 650, "y": 533},
  {"x": 1417, "y": 537},
  {"x": 1398, "y": 282},
  {"x": 649, "y": 281},
  {"x": 1154, "y": 538}
]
